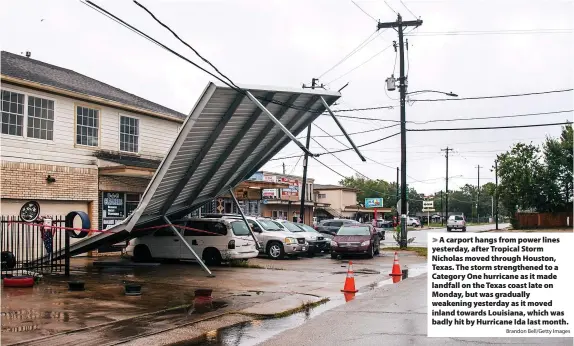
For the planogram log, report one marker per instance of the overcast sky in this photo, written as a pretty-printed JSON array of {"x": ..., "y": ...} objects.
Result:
[{"x": 286, "y": 43}]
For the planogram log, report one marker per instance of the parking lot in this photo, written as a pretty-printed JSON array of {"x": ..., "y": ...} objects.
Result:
[{"x": 102, "y": 312}]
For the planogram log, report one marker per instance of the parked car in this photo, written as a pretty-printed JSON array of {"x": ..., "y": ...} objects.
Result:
[
  {"x": 355, "y": 240},
  {"x": 213, "y": 239},
  {"x": 326, "y": 237},
  {"x": 315, "y": 240},
  {"x": 413, "y": 221},
  {"x": 332, "y": 226},
  {"x": 275, "y": 242},
  {"x": 456, "y": 222},
  {"x": 383, "y": 226}
]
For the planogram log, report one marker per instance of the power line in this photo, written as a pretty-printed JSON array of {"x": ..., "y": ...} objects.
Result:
[
  {"x": 490, "y": 117},
  {"x": 365, "y": 12},
  {"x": 151, "y": 39},
  {"x": 354, "y": 133},
  {"x": 358, "y": 48},
  {"x": 489, "y": 128},
  {"x": 411, "y": 12},
  {"x": 358, "y": 66},
  {"x": 389, "y": 6},
  {"x": 494, "y": 96},
  {"x": 363, "y": 109},
  {"x": 493, "y": 32},
  {"x": 341, "y": 150}
]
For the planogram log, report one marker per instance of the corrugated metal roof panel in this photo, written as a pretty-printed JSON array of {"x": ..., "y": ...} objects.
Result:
[{"x": 223, "y": 141}]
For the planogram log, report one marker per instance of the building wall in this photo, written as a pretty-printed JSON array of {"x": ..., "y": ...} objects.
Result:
[
  {"x": 267, "y": 211},
  {"x": 156, "y": 135},
  {"x": 123, "y": 184},
  {"x": 348, "y": 198},
  {"x": 74, "y": 188}
]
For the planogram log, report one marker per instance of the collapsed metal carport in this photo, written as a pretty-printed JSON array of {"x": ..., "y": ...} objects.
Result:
[{"x": 227, "y": 137}]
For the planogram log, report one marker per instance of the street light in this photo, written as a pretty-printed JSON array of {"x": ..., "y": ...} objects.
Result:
[{"x": 451, "y": 94}]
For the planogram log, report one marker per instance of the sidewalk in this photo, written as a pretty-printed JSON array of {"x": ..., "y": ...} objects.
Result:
[{"x": 393, "y": 315}]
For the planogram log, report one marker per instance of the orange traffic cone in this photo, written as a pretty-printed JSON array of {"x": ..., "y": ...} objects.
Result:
[
  {"x": 396, "y": 267},
  {"x": 350, "y": 281},
  {"x": 349, "y": 297},
  {"x": 396, "y": 279}
]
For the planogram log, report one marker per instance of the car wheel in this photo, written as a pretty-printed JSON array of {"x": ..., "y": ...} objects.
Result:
[
  {"x": 334, "y": 256},
  {"x": 464, "y": 229},
  {"x": 448, "y": 229},
  {"x": 211, "y": 257},
  {"x": 275, "y": 250},
  {"x": 142, "y": 254}
]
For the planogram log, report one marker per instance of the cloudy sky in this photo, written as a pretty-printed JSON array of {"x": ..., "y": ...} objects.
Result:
[{"x": 478, "y": 48}]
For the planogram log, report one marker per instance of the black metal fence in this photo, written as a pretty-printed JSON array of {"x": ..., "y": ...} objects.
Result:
[{"x": 27, "y": 249}]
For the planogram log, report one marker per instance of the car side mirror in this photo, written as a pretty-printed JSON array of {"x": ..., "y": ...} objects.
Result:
[{"x": 256, "y": 229}]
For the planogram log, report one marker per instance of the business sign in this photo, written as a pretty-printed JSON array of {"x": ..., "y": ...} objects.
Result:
[
  {"x": 113, "y": 205},
  {"x": 373, "y": 202},
  {"x": 292, "y": 190},
  {"x": 257, "y": 176},
  {"x": 269, "y": 193}
]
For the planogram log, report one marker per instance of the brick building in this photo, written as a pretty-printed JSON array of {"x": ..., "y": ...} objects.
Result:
[{"x": 73, "y": 143}]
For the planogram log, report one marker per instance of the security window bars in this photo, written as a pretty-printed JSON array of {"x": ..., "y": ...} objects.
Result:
[
  {"x": 129, "y": 134},
  {"x": 87, "y": 126},
  {"x": 40, "y": 118},
  {"x": 12, "y": 113}
]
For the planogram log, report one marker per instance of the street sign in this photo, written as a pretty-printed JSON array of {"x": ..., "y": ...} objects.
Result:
[
  {"x": 428, "y": 204},
  {"x": 429, "y": 210},
  {"x": 399, "y": 207},
  {"x": 373, "y": 202}
]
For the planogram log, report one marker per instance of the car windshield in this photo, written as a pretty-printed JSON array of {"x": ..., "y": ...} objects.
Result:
[
  {"x": 456, "y": 217},
  {"x": 306, "y": 228},
  {"x": 239, "y": 228},
  {"x": 269, "y": 225},
  {"x": 346, "y": 230},
  {"x": 292, "y": 227}
]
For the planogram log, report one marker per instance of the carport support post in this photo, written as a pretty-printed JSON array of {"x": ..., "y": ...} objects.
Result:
[
  {"x": 177, "y": 233},
  {"x": 67, "y": 253},
  {"x": 244, "y": 218}
]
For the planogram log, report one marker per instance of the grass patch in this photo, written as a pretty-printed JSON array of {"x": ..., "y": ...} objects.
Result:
[
  {"x": 300, "y": 308},
  {"x": 421, "y": 251},
  {"x": 244, "y": 264}
]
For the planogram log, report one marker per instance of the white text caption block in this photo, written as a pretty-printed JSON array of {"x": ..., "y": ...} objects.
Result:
[{"x": 500, "y": 285}]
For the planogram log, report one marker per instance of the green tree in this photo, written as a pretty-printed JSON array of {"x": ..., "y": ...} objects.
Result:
[
  {"x": 519, "y": 175},
  {"x": 556, "y": 182}
]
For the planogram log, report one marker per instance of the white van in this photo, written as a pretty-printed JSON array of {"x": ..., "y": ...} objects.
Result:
[{"x": 214, "y": 239}]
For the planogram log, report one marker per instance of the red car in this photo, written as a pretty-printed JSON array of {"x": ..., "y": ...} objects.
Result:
[{"x": 356, "y": 240}]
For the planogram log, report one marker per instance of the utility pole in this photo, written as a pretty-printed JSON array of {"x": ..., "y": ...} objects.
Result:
[
  {"x": 398, "y": 198},
  {"x": 399, "y": 25},
  {"x": 496, "y": 191},
  {"x": 441, "y": 209},
  {"x": 447, "y": 150},
  {"x": 306, "y": 160},
  {"x": 284, "y": 168},
  {"x": 478, "y": 195}
]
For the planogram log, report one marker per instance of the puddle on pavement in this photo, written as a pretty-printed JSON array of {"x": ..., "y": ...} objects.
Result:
[
  {"x": 257, "y": 331},
  {"x": 216, "y": 305}
]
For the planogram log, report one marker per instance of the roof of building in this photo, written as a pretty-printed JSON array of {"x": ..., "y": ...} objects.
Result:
[
  {"x": 21, "y": 67},
  {"x": 332, "y": 187}
]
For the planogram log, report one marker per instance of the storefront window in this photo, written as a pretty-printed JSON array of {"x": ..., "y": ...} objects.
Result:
[{"x": 132, "y": 201}]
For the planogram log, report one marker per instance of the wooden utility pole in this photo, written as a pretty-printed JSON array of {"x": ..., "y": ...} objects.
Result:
[
  {"x": 399, "y": 25},
  {"x": 447, "y": 150},
  {"x": 478, "y": 195}
]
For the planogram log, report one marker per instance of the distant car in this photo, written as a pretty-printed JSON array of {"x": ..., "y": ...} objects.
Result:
[
  {"x": 332, "y": 226},
  {"x": 456, "y": 222},
  {"x": 356, "y": 240},
  {"x": 326, "y": 246},
  {"x": 413, "y": 221},
  {"x": 213, "y": 239},
  {"x": 315, "y": 240}
]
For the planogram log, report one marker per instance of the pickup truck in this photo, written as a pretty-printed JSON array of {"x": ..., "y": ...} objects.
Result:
[{"x": 456, "y": 222}]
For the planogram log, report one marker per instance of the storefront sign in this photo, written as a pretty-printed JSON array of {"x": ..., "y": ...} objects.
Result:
[
  {"x": 269, "y": 193},
  {"x": 113, "y": 205},
  {"x": 109, "y": 223},
  {"x": 257, "y": 176},
  {"x": 373, "y": 202},
  {"x": 292, "y": 190}
]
